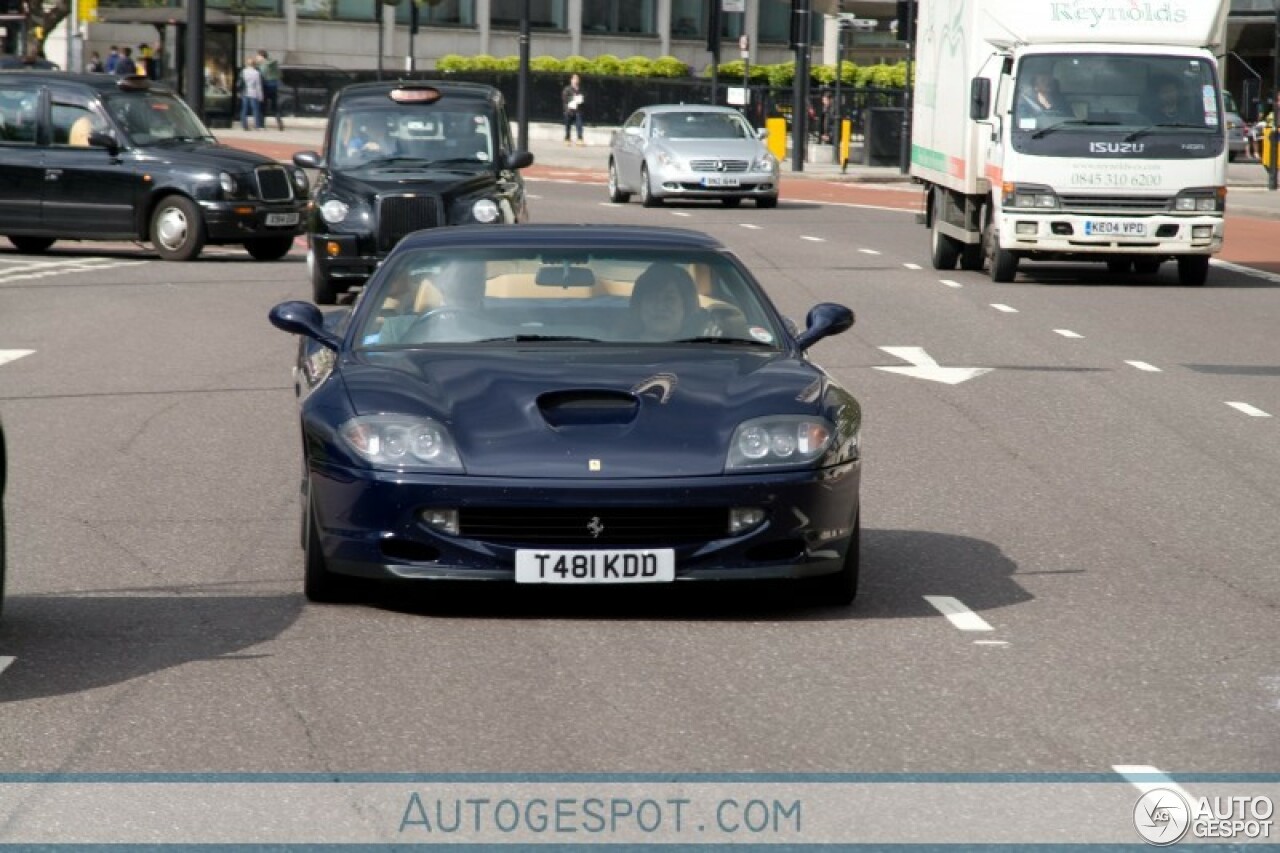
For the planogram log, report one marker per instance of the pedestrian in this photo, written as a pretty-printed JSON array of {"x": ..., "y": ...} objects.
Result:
[
  {"x": 155, "y": 68},
  {"x": 125, "y": 66},
  {"x": 113, "y": 58},
  {"x": 251, "y": 95},
  {"x": 1251, "y": 141},
  {"x": 143, "y": 62},
  {"x": 827, "y": 118},
  {"x": 270, "y": 71},
  {"x": 572, "y": 99},
  {"x": 95, "y": 64}
]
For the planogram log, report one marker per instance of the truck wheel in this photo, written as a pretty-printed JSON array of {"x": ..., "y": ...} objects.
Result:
[
  {"x": 972, "y": 257},
  {"x": 177, "y": 229},
  {"x": 945, "y": 250},
  {"x": 1193, "y": 270},
  {"x": 1146, "y": 267},
  {"x": 323, "y": 290},
  {"x": 1002, "y": 264}
]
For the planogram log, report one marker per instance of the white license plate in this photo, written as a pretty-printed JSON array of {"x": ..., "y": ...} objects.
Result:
[
  {"x": 719, "y": 181},
  {"x": 282, "y": 218},
  {"x": 618, "y": 566},
  {"x": 1109, "y": 228}
]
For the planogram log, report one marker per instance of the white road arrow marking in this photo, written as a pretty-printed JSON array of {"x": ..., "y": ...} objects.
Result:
[
  {"x": 924, "y": 367},
  {"x": 8, "y": 355}
]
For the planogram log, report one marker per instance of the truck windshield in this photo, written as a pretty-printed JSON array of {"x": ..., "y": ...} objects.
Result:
[{"x": 1121, "y": 92}]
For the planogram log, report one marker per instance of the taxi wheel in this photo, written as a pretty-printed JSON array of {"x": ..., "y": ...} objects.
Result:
[
  {"x": 319, "y": 584},
  {"x": 647, "y": 198},
  {"x": 840, "y": 589},
  {"x": 31, "y": 245},
  {"x": 323, "y": 291},
  {"x": 269, "y": 248},
  {"x": 616, "y": 194},
  {"x": 177, "y": 229}
]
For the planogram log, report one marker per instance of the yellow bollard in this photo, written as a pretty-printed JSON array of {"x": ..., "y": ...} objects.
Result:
[
  {"x": 1266, "y": 148},
  {"x": 777, "y": 137},
  {"x": 846, "y": 135}
]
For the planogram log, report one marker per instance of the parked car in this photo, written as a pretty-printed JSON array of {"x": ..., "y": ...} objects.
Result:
[
  {"x": 308, "y": 90},
  {"x": 402, "y": 156},
  {"x": 1237, "y": 130},
  {"x": 96, "y": 157},
  {"x": 689, "y": 151},
  {"x": 572, "y": 404}
]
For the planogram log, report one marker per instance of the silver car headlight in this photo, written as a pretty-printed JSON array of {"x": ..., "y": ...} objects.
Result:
[
  {"x": 402, "y": 442},
  {"x": 765, "y": 163},
  {"x": 228, "y": 183},
  {"x": 485, "y": 211},
  {"x": 334, "y": 211},
  {"x": 779, "y": 440},
  {"x": 666, "y": 159}
]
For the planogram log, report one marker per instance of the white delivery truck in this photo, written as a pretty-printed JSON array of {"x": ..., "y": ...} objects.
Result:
[{"x": 1077, "y": 130}]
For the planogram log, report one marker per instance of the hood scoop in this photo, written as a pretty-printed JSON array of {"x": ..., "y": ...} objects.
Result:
[{"x": 589, "y": 407}]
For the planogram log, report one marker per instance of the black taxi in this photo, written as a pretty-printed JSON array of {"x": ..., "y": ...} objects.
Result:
[
  {"x": 400, "y": 157},
  {"x": 97, "y": 157}
]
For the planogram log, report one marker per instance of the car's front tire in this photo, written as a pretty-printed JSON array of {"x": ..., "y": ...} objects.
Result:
[
  {"x": 177, "y": 229},
  {"x": 767, "y": 201},
  {"x": 318, "y": 583},
  {"x": 323, "y": 290},
  {"x": 31, "y": 245},
  {"x": 269, "y": 248},
  {"x": 647, "y": 198},
  {"x": 616, "y": 194},
  {"x": 841, "y": 588},
  {"x": 731, "y": 201}
]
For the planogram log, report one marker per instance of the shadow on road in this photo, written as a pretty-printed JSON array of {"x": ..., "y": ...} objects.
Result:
[
  {"x": 899, "y": 567},
  {"x": 70, "y": 644},
  {"x": 1097, "y": 275}
]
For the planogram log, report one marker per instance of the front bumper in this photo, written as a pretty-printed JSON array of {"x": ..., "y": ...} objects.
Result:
[
  {"x": 370, "y": 526},
  {"x": 1072, "y": 234},
  {"x": 673, "y": 181},
  {"x": 345, "y": 257},
  {"x": 236, "y": 221}
]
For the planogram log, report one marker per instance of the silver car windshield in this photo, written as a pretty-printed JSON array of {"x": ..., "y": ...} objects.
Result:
[{"x": 701, "y": 125}]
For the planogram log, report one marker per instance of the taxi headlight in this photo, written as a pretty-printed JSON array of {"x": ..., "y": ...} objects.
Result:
[
  {"x": 781, "y": 440},
  {"x": 485, "y": 210},
  {"x": 228, "y": 183},
  {"x": 334, "y": 211}
]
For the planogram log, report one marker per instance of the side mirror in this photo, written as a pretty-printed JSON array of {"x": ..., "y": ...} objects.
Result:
[
  {"x": 762, "y": 133},
  {"x": 979, "y": 99},
  {"x": 308, "y": 160},
  {"x": 825, "y": 319},
  {"x": 303, "y": 318},
  {"x": 103, "y": 139},
  {"x": 633, "y": 131},
  {"x": 518, "y": 159}
]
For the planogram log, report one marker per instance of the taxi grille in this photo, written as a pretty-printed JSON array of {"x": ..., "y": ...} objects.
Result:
[
  {"x": 274, "y": 184},
  {"x": 598, "y": 526},
  {"x": 399, "y": 215},
  {"x": 716, "y": 165}
]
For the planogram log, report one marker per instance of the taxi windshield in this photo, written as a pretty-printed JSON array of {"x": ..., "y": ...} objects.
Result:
[
  {"x": 405, "y": 136},
  {"x": 437, "y": 296},
  {"x": 150, "y": 118}
]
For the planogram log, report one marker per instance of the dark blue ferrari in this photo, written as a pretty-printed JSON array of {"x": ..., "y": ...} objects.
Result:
[{"x": 572, "y": 404}]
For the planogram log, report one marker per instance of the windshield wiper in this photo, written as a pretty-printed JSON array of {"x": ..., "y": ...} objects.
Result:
[
  {"x": 713, "y": 339},
  {"x": 1143, "y": 131},
  {"x": 520, "y": 339},
  {"x": 1072, "y": 122},
  {"x": 181, "y": 139}
]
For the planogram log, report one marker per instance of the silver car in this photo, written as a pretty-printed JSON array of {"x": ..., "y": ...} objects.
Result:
[
  {"x": 694, "y": 152},
  {"x": 1236, "y": 129}
]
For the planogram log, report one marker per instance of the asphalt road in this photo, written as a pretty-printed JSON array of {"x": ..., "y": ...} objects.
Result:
[{"x": 1101, "y": 504}]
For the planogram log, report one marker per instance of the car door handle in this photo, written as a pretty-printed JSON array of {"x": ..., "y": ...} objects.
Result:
[{"x": 53, "y": 174}]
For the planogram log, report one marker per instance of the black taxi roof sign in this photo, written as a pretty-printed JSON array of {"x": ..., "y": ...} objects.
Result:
[
  {"x": 415, "y": 95},
  {"x": 135, "y": 83}
]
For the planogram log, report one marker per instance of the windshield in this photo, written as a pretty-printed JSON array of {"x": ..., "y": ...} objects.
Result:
[
  {"x": 701, "y": 125},
  {"x": 148, "y": 118},
  {"x": 1085, "y": 91},
  {"x": 631, "y": 297},
  {"x": 409, "y": 135}
]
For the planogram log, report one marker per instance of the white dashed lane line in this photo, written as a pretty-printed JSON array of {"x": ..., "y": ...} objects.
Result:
[
  {"x": 750, "y": 226},
  {"x": 949, "y": 283},
  {"x": 1145, "y": 778},
  {"x": 812, "y": 239},
  {"x": 1004, "y": 309},
  {"x": 1251, "y": 411},
  {"x": 8, "y": 355},
  {"x": 868, "y": 251},
  {"x": 5, "y": 662},
  {"x": 912, "y": 266},
  {"x": 1143, "y": 366},
  {"x": 957, "y": 614},
  {"x": 683, "y": 213},
  {"x": 1067, "y": 333}
]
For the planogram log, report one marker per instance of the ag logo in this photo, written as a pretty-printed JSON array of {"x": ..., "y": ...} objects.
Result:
[{"x": 1161, "y": 816}]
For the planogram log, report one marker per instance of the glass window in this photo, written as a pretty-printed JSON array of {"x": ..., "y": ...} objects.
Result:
[
  {"x": 19, "y": 112},
  {"x": 701, "y": 125},
  {"x": 151, "y": 118},
  {"x": 370, "y": 136},
  {"x": 74, "y": 118},
  {"x": 775, "y": 24},
  {"x": 689, "y": 20},
  {"x": 446, "y": 13},
  {"x": 619, "y": 16},
  {"x": 251, "y": 7},
  {"x": 543, "y": 14},
  {"x": 613, "y": 296}
]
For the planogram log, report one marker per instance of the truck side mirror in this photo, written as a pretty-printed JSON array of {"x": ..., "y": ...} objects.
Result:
[{"x": 979, "y": 99}]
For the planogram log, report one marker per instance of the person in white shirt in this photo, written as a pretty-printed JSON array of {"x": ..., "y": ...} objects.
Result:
[{"x": 251, "y": 93}]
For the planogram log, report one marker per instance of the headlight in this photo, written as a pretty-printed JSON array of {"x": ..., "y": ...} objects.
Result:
[
  {"x": 300, "y": 182},
  {"x": 485, "y": 210},
  {"x": 403, "y": 442},
  {"x": 334, "y": 211},
  {"x": 1208, "y": 200},
  {"x": 665, "y": 158},
  {"x": 765, "y": 163},
  {"x": 1029, "y": 197},
  {"x": 228, "y": 183},
  {"x": 781, "y": 440}
]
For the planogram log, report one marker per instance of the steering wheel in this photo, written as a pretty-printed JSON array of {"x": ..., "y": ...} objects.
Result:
[{"x": 435, "y": 315}]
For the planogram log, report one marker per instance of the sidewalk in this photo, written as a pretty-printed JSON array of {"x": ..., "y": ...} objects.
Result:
[{"x": 1246, "y": 180}]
